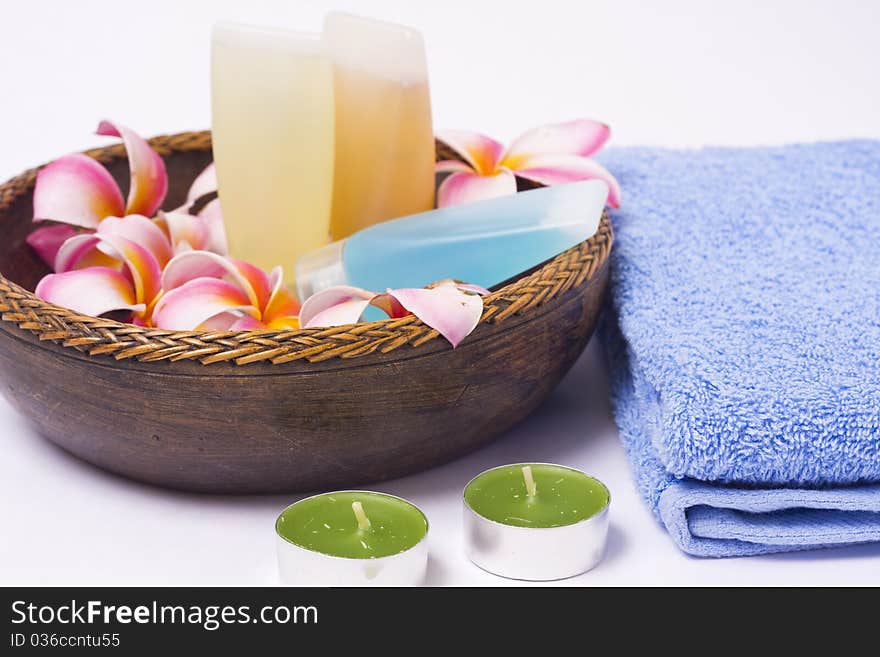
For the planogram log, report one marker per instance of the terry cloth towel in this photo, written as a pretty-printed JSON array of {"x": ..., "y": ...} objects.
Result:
[{"x": 743, "y": 336}]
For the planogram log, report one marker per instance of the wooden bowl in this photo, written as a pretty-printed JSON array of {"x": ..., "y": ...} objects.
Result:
[{"x": 272, "y": 411}]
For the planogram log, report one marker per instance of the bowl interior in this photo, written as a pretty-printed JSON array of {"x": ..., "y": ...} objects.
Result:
[{"x": 20, "y": 264}]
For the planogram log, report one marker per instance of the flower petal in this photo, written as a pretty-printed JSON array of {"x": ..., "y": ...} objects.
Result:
[
  {"x": 345, "y": 312},
  {"x": 197, "y": 301},
  {"x": 232, "y": 320},
  {"x": 243, "y": 323},
  {"x": 467, "y": 187},
  {"x": 257, "y": 279},
  {"x": 451, "y": 166},
  {"x": 199, "y": 264},
  {"x": 185, "y": 231},
  {"x": 389, "y": 305},
  {"x": 212, "y": 215},
  {"x": 335, "y": 306},
  {"x": 144, "y": 269},
  {"x": 283, "y": 304},
  {"x": 581, "y": 137},
  {"x": 46, "y": 241},
  {"x": 559, "y": 169},
  {"x": 464, "y": 287},
  {"x": 451, "y": 312},
  {"x": 92, "y": 291},
  {"x": 81, "y": 251},
  {"x": 481, "y": 152},
  {"x": 113, "y": 251},
  {"x": 76, "y": 190},
  {"x": 142, "y": 231},
  {"x": 149, "y": 181},
  {"x": 189, "y": 265},
  {"x": 205, "y": 183},
  {"x": 284, "y": 323}
]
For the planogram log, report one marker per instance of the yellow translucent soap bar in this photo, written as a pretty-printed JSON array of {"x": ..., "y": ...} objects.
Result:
[{"x": 384, "y": 136}]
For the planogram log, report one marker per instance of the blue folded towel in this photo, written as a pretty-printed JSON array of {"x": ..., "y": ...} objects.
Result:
[{"x": 744, "y": 340}]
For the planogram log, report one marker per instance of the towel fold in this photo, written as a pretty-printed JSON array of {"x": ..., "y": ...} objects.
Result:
[{"x": 743, "y": 334}]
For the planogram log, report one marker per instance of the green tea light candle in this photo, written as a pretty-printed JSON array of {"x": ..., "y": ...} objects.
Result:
[
  {"x": 352, "y": 538},
  {"x": 535, "y": 521}
]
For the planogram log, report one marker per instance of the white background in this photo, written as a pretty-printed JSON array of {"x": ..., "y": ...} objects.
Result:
[{"x": 673, "y": 73}]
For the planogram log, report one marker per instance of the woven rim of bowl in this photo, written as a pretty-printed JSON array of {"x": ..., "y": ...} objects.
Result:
[{"x": 97, "y": 336}]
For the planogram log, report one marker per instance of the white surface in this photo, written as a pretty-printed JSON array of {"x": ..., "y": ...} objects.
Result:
[{"x": 672, "y": 73}]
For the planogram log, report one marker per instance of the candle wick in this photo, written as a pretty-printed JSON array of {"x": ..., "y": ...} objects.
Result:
[
  {"x": 362, "y": 520},
  {"x": 531, "y": 488}
]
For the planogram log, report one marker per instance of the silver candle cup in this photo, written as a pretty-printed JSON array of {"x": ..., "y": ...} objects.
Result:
[
  {"x": 299, "y": 566},
  {"x": 535, "y": 553}
]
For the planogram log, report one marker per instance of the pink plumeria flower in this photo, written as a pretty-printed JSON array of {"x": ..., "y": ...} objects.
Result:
[
  {"x": 206, "y": 291},
  {"x": 202, "y": 232},
  {"x": 78, "y": 193},
  {"x": 130, "y": 253},
  {"x": 549, "y": 155},
  {"x": 119, "y": 267},
  {"x": 452, "y": 309}
]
